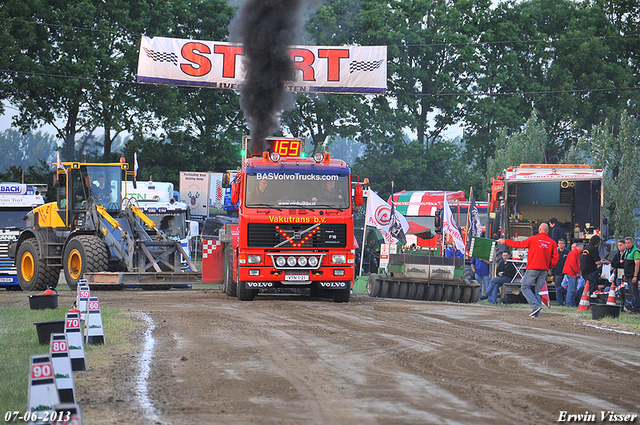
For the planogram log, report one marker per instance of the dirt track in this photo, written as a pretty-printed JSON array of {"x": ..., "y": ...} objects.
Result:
[{"x": 293, "y": 360}]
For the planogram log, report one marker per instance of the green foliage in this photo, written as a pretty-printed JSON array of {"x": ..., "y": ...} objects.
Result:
[
  {"x": 411, "y": 166},
  {"x": 20, "y": 151},
  {"x": 525, "y": 146},
  {"x": 615, "y": 150}
]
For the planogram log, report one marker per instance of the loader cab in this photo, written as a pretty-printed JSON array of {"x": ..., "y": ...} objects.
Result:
[{"x": 80, "y": 185}]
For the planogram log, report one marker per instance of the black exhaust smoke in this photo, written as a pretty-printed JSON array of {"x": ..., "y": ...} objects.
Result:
[{"x": 266, "y": 28}]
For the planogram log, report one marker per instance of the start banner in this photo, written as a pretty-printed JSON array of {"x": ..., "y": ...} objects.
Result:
[{"x": 216, "y": 64}]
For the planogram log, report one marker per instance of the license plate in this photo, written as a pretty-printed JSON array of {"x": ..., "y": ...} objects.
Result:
[{"x": 296, "y": 277}]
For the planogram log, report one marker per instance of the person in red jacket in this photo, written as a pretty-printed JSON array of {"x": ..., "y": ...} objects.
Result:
[
  {"x": 572, "y": 270},
  {"x": 542, "y": 256}
]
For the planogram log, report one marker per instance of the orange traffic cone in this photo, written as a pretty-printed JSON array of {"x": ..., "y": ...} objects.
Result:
[
  {"x": 612, "y": 295},
  {"x": 584, "y": 301}
]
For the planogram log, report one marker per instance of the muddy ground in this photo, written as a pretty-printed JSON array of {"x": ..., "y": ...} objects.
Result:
[{"x": 211, "y": 359}]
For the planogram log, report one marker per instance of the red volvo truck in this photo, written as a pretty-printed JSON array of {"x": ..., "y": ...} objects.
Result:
[{"x": 295, "y": 223}]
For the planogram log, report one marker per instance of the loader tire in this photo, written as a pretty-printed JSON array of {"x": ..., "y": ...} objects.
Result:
[
  {"x": 431, "y": 292},
  {"x": 84, "y": 254},
  {"x": 33, "y": 273},
  {"x": 421, "y": 291}
]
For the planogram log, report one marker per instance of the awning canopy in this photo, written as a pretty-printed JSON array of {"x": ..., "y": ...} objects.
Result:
[{"x": 423, "y": 203}]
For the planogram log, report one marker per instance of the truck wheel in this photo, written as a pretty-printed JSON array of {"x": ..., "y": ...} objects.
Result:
[
  {"x": 245, "y": 294},
  {"x": 84, "y": 254},
  {"x": 466, "y": 294},
  {"x": 431, "y": 292},
  {"x": 439, "y": 292},
  {"x": 33, "y": 274},
  {"x": 404, "y": 290},
  {"x": 384, "y": 289},
  {"x": 448, "y": 293},
  {"x": 413, "y": 291},
  {"x": 229, "y": 284},
  {"x": 341, "y": 295},
  {"x": 475, "y": 295},
  {"x": 394, "y": 289},
  {"x": 457, "y": 291},
  {"x": 373, "y": 285},
  {"x": 421, "y": 291}
]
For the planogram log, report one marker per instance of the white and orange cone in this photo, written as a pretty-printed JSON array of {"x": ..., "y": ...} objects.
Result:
[
  {"x": 611, "y": 300},
  {"x": 584, "y": 301}
]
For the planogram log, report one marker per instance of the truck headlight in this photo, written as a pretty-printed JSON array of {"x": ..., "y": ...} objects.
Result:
[
  {"x": 338, "y": 272},
  {"x": 254, "y": 259},
  {"x": 291, "y": 261},
  {"x": 338, "y": 259},
  {"x": 313, "y": 261},
  {"x": 302, "y": 261},
  {"x": 281, "y": 261}
]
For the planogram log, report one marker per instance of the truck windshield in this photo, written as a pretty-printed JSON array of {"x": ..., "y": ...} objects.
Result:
[
  {"x": 173, "y": 225},
  {"x": 282, "y": 190},
  {"x": 11, "y": 218}
]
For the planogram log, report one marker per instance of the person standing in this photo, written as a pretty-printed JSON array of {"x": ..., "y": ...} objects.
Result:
[
  {"x": 542, "y": 255},
  {"x": 631, "y": 270},
  {"x": 556, "y": 271},
  {"x": 617, "y": 269},
  {"x": 572, "y": 270},
  {"x": 481, "y": 269},
  {"x": 557, "y": 232},
  {"x": 589, "y": 263}
]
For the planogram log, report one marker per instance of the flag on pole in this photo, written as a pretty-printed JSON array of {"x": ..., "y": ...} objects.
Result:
[
  {"x": 135, "y": 169},
  {"x": 379, "y": 215},
  {"x": 59, "y": 165},
  {"x": 544, "y": 295},
  {"x": 475, "y": 226},
  {"x": 395, "y": 227},
  {"x": 449, "y": 226}
]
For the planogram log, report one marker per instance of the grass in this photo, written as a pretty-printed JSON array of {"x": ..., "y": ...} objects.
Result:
[
  {"x": 626, "y": 322},
  {"x": 19, "y": 341}
]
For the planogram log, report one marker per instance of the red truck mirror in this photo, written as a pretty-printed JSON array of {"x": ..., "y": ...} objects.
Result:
[
  {"x": 235, "y": 192},
  {"x": 357, "y": 196}
]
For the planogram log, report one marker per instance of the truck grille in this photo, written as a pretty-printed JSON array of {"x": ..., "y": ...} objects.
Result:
[
  {"x": 267, "y": 235},
  {"x": 6, "y": 263}
]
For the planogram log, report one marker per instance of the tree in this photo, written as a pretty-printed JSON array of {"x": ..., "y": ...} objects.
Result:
[
  {"x": 615, "y": 150},
  {"x": 525, "y": 146},
  {"x": 24, "y": 150}
]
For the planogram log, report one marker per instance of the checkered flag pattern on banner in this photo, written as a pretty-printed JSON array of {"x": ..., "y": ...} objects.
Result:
[
  {"x": 365, "y": 66},
  {"x": 161, "y": 56}
]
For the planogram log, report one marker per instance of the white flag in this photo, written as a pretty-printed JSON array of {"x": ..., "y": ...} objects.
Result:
[
  {"x": 449, "y": 226},
  {"x": 135, "y": 165},
  {"x": 59, "y": 165},
  {"x": 379, "y": 215}
]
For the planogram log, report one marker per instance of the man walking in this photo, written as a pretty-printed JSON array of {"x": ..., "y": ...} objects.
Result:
[{"x": 542, "y": 256}]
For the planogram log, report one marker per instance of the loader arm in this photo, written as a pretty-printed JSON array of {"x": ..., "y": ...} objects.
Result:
[
  {"x": 111, "y": 241},
  {"x": 137, "y": 211}
]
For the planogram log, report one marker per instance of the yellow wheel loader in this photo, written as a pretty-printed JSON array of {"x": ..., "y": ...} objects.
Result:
[{"x": 93, "y": 233}]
